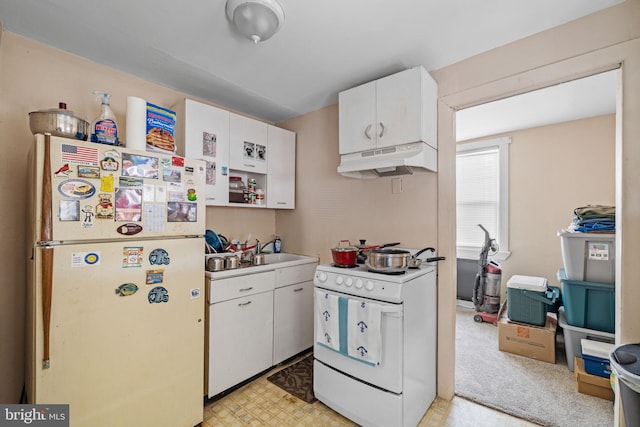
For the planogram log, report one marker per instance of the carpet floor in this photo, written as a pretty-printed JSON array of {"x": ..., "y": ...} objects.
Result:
[
  {"x": 297, "y": 379},
  {"x": 537, "y": 391}
]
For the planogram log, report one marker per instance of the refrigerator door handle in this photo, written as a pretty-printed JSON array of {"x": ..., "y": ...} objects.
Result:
[
  {"x": 47, "y": 285},
  {"x": 46, "y": 226}
]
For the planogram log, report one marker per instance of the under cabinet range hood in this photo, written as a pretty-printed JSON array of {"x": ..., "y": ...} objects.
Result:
[{"x": 388, "y": 161}]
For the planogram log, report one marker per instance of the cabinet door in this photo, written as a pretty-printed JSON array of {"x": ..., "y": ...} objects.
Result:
[
  {"x": 281, "y": 169},
  {"x": 248, "y": 144},
  {"x": 206, "y": 136},
  {"x": 240, "y": 340},
  {"x": 357, "y": 118},
  {"x": 399, "y": 108},
  {"x": 292, "y": 320}
]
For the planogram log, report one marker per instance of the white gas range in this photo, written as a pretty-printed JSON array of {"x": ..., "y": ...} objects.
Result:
[{"x": 390, "y": 378}]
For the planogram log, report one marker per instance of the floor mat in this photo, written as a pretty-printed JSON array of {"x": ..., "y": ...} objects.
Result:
[{"x": 297, "y": 379}]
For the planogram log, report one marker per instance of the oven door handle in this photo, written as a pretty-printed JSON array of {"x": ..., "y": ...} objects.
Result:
[{"x": 392, "y": 309}]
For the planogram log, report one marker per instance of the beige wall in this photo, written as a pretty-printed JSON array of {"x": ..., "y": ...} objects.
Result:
[
  {"x": 598, "y": 42},
  {"x": 552, "y": 170}
]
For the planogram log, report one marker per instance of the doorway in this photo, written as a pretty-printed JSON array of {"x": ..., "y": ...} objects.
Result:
[{"x": 548, "y": 167}]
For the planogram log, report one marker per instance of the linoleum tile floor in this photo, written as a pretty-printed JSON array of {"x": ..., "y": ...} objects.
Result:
[{"x": 261, "y": 403}]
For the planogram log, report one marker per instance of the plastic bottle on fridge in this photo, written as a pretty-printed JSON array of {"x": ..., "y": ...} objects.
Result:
[{"x": 104, "y": 129}]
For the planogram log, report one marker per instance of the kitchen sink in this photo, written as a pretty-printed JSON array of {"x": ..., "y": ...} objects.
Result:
[
  {"x": 283, "y": 257},
  {"x": 272, "y": 262}
]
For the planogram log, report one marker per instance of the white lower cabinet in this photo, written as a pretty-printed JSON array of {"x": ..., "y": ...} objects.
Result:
[
  {"x": 240, "y": 333},
  {"x": 292, "y": 320},
  {"x": 256, "y": 321}
]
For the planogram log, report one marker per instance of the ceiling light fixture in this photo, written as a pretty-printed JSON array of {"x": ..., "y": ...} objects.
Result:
[{"x": 256, "y": 19}]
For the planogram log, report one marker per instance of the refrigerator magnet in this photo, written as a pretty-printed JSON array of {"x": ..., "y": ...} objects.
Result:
[
  {"x": 69, "y": 210},
  {"x": 191, "y": 195},
  {"x": 159, "y": 257},
  {"x": 88, "y": 171},
  {"x": 84, "y": 259},
  {"x": 132, "y": 256},
  {"x": 182, "y": 212},
  {"x": 104, "y": 209},
  {"x": 87, "y": 216},
  {"x": 129, "y": 229},
  {"x": 109, "y": 164},
  {"x": 155, "y": 276},
  {"x": 171, "y": 175},
  {"x": 158, "y": 294},
  {"x": 126, "y": 289},
  {"x": 76, "y": 189},
  {"x": 63, "y": 172},
  {"x": 195, "y": 293},
  {"x": 139, "y": 166},
  {"x": 177, "y": 161},
  {"x": 106, "y": 183}
]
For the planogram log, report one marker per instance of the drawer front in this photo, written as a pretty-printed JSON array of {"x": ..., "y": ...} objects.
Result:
[
  {"x": 240, "y": 286},
  {"x": 297, "y": 274}
]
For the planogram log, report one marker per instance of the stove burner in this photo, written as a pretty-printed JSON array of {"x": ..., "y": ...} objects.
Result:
[{"x": 345, "y": 266}]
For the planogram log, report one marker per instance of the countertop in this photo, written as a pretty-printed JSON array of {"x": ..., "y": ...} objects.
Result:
[{"x": 273, "y": 261}]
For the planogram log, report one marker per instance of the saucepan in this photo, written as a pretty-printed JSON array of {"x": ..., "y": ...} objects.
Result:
[
  {"x": 415, "y": 262},
  {"x": 388, "y": 260},
  {"x": 364, "y": 250},
  {"x": 344, "y": 255},
  {"x": 396, "y": 260}
]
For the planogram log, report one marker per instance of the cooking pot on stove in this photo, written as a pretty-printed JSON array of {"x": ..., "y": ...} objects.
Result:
[
  {"x": 365, "y": 249},
  {"x": 388, "y": 260},
  {"x": 344, "y": 255}
]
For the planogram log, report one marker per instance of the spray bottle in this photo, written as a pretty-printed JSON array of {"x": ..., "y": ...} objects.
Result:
[{"x": 104, "y": 129}]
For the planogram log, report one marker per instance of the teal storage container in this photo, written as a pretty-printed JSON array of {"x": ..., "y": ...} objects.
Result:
[
  {"x": 589, "y": 305},
  {"x": 528, "y": 298}
]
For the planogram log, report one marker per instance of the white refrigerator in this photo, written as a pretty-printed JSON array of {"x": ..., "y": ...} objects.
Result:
[{"x": 115, "y": 301}]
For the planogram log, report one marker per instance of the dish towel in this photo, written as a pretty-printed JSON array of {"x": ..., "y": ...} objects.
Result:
[
  {"x": 364, "y": 334},
  {"x": 327, "y": 320}
]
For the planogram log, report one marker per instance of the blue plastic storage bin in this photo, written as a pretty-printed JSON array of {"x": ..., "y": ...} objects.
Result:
[
  {"x": 595, "y": 357},
  {"x": 588, "y": 305}
]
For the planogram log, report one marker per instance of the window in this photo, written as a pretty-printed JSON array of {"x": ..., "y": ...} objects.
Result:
[{"x": 482, "y": 191}]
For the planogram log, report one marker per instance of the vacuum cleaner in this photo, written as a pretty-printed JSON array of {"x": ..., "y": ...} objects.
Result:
[{"x": 486, "y": 289}]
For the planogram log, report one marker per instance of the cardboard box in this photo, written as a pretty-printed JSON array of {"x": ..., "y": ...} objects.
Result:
[
  {"x": 592, "y": 385},
  {"x": 536, "y": 342}
]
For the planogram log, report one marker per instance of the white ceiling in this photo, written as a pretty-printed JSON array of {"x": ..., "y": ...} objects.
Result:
[
  {"x": 578, "y": 99},
  {"x": 324, "y": 46}
]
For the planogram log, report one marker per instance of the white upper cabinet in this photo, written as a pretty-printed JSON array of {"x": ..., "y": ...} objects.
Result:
[
  {"x": 202, "y": 132},
  {"x": 394, "y": 110},
  {"x": 281, "y": 169},
  {"x": 248, "y": 144},
  {"x": 235, "y": 145}
]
